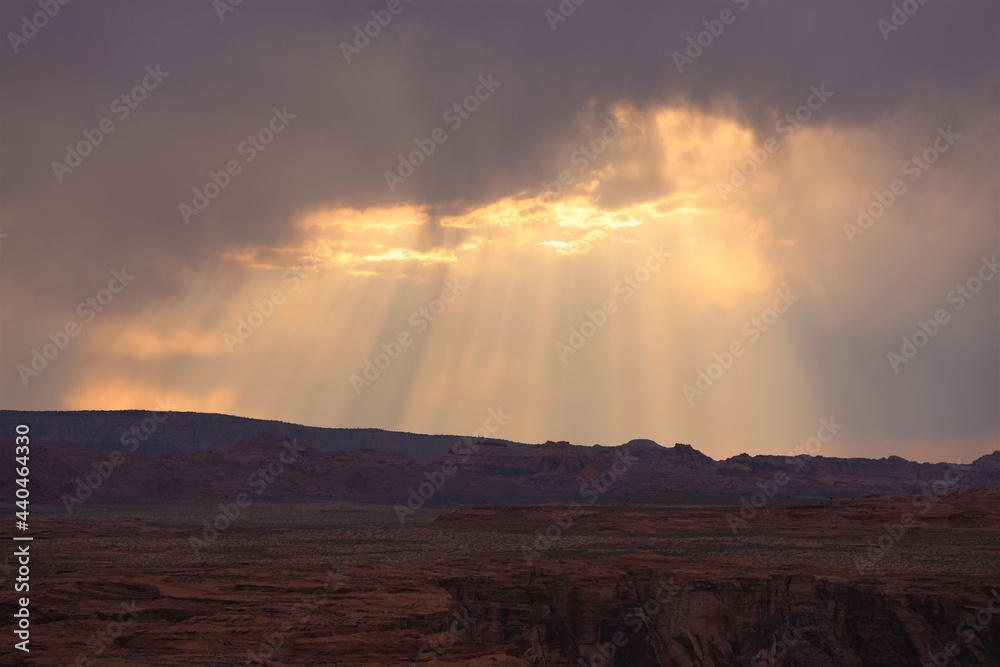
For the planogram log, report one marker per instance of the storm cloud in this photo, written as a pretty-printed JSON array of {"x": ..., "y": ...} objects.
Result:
[{"x": 477, "y": 208}]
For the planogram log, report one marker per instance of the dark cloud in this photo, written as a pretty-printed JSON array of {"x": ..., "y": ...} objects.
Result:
[{"x": 120, "y": 206}]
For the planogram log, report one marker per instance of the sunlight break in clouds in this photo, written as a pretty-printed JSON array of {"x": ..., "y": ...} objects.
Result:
[{"x": 550, "y": 194}]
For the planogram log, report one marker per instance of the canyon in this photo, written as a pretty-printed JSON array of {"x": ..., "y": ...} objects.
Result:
[{"x": 206, "y": 539}]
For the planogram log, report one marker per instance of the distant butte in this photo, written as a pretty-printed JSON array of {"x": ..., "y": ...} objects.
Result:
[{"x": 192, "y": 455}]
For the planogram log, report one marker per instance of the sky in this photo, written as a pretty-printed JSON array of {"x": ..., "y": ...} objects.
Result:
[{"x": 739, "y": 225}]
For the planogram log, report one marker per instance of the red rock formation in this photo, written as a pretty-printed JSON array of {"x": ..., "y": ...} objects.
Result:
[{"x": 643, "y": 587}]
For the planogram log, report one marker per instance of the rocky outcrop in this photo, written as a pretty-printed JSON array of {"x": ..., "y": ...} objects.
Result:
[{"x": 629, "y": 613}]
